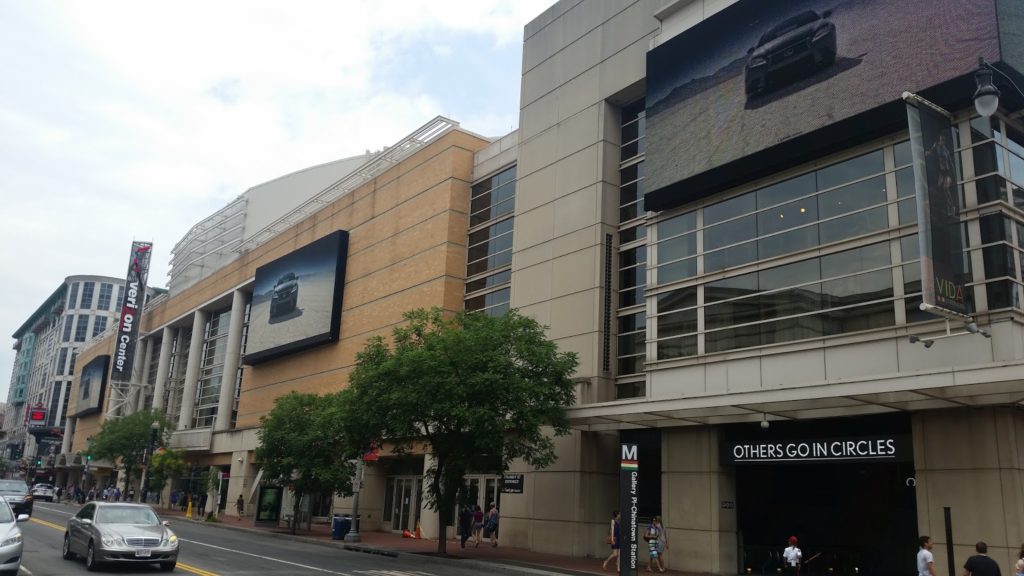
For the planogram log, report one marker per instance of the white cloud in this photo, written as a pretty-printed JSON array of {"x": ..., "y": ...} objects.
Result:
[{"x": 122, "y": 120}]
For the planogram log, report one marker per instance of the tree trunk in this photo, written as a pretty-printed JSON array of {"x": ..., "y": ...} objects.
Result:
[
  {"x": 442, "y": 535},
  {"x": 295, "y": 511}
]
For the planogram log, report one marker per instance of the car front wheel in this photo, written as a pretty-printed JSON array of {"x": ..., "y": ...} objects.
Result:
[
  {"x": 66, "y": 550},
  {"x": 90, "y": 559},
  {"x": 168, "y": 566}
]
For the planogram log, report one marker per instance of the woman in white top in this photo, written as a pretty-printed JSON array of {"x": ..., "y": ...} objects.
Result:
[{"x": 792, "y": 556}]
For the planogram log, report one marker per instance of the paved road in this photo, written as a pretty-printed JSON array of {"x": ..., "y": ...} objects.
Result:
[{"x": 209, "y": 551}]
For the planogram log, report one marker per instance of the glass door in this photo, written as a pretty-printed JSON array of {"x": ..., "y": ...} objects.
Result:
[{"x": 405, "y": 497}]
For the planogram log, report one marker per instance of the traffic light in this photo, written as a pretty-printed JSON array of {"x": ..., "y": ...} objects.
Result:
[
  {"x": 39, "y": 461},
  {"x": 88, "y": 457}
]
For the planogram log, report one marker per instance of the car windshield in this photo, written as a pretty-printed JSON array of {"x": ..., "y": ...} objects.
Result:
[
  {"x": 13, "y": 486},
  {"x": 787, "y": 26},
  {"x": 5, "y": 513},
  {"x": 126, "y": 515}
]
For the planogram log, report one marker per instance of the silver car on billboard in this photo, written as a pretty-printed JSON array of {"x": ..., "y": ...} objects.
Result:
[{"x": 120, "y": 533}]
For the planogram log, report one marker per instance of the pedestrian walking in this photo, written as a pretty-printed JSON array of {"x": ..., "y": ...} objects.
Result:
[
  {"x": 117, "y": 494},
  {"x": 980, "y": 564},
  {"x": 613, "y": 541},
  {"x": 657, "y": 543},
  {"x": 465, "y": 524},
  {"x": 240, "y": 506},
  {"x": 92, "y": 494},
  {"x": 183, "y": 500},
  {"x": 793, "y": 557},
  {"x": 491, "y": 524},
  {"x": 478, "y": 524},
  {"x": 56, "y": 494},
  {"x": 925, "y": 560},
  {"x": 1018, "y": 568},
  {"x": 174, "y": 498},
  {"x": 131, "y": 494}
]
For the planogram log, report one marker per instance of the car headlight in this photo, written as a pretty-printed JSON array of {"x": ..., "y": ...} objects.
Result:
[
  {"x": 16, "y": 539},
  {"x": 109, "y": 540},
  {"x": 821, "y": 33},
  {"x": 757, "y": 61},
  {"x": 172, "y": 540}
]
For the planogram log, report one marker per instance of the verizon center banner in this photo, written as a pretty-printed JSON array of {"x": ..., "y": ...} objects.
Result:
[
  {"x": 940, "y": 233},
  {"x": 131, "y": 311}
]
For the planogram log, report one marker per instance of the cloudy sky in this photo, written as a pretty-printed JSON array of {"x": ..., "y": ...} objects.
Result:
[{"x": 135, "y": 120}]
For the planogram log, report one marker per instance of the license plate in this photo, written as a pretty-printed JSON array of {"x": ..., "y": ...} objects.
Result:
[{"x": 143, "y": 553}]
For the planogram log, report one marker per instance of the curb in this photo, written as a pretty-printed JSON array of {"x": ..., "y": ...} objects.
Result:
[{"x": 487, "y": 566}]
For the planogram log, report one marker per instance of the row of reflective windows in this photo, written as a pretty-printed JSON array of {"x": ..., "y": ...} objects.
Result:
[
  {"x": 79, "y": 327},
  {"x": 632, "y": 269},
  {"x": 489, "y": 245},
  {"x": 104, "y": 300}
]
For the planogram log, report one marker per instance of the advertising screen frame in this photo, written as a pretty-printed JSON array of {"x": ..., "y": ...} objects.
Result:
[
  {"x": 338, "y": 240},
  {"x": 99, "y": 364},
  {"x": 702, "y": 74}
]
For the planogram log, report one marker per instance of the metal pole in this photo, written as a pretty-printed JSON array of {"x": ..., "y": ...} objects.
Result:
[
  {"x": 353, "y": 533},
  {"x": 949, "y": 541}
]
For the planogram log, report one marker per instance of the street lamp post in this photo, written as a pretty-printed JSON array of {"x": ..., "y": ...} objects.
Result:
[
  {"x": 986, "y": 97},
  {"x": 154, "y": 430},
  {"x": 353, "y": 533}
]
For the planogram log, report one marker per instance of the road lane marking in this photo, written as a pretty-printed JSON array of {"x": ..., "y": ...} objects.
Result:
[
  {"x": 195, "y": 570},
  {"x": 324, "y": 570},
  {"x": 57, "y": 527}
]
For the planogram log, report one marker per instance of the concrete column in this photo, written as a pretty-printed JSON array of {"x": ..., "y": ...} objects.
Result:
[
  {"x": 147, "y": 364},
  {"x": 195, "y": 350},
  {"x": 69, "y": 430},
  {"x": 231, "y": 359},
  {"x": 166, "y": 343}
]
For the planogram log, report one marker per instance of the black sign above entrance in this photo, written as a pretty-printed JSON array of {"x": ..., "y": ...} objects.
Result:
[
  {"x": 512, "y": 483},
  {"x": 890, "y": 448}
]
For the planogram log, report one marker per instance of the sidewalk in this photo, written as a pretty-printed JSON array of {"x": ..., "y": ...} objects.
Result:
[{"x": 494, "y": 560}]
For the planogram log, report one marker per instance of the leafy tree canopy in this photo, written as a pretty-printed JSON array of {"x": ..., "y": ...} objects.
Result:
[
  {"x": 479, "y": 391},
  {"x": 127, "y": 439},
  {"x": 301, "y": 446},
  {"x": 165, "y": 465}
]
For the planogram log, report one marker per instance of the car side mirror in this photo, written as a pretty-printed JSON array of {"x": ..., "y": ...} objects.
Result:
[
  {"x": 22, "y": 518},
  {"x": 166, "y": 522},
  {"x": 86, "y": 521}
]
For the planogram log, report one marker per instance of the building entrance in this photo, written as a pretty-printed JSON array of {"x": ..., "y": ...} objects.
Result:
[
  {"x": 846, "y": 494},
  {"x": 402, "y": 502}
]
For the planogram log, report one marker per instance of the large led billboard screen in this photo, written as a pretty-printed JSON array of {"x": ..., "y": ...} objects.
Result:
[
  {"x": 764, "y": 72},
  {"x": 92, "y": 384},
  {"x": 296, "y": 299}
]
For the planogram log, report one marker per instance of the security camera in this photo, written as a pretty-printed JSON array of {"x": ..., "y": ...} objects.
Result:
[
  {"x": 239, "y": 459},
  {"x": 971, "y": 327},
  {"x": 914, "y": 339},
  {"x": 928, "y": 343},
  {"x": 765, "y": 424}
]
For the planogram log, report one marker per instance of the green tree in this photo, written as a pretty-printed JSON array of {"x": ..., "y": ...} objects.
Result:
[
  {"x": 479, "y": 391},
  {"x": 127, "y": 439},
  {"x": 165, "y": 465},
  {"x": 301, "y": 447}
]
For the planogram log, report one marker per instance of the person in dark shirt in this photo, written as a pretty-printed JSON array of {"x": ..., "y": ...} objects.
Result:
[{"x": 980, "y": 564}]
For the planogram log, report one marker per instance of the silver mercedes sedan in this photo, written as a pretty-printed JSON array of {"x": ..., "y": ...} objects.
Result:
[
  {"x": 10, "y": 539},
  {"x": 106, "y": 532}
]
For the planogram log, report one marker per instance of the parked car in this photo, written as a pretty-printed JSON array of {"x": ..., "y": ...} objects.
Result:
[
  {"x": 18, "y": 495},
  {"x": 10, "y": 539},
  {"x": 795, "y": 47},
  {"x": 285, "y": 296},
  {"x": 120, "y": 533},
  {"x": 42, "y": 492}
]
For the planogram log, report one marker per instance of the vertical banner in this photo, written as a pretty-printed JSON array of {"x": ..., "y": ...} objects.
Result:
[
  {"x": 629, "y": 478},
  {"x": 131, "y": 311},
  {"x": 940, "y": 235}
]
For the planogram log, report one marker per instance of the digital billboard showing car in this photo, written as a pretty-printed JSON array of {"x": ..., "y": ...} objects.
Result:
[
  {"x": 296, "y": 299},
  {"x": 92, "y": 383},
  {"x": 761, "y": 72}
]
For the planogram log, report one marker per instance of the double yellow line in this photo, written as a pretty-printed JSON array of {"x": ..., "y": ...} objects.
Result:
[{"x": 185, "y": 567}]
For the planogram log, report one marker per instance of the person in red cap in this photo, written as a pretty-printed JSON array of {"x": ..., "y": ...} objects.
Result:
[{"x": 792, "y": 557}]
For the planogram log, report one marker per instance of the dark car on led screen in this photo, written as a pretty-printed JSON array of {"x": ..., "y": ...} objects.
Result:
[
  {"x": 285, "y": 297},
  {"x": 794, "y": 48}
]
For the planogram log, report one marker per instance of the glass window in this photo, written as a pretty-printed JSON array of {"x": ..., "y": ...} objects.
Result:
[
  {"x": 99, "y": 325},
  {"x": 120, "y": 298},
  {"x": 488, "y": 302},
  {"x": 633, "y": 234},
  {"x": 87, "y": 291},
  {"x": 729, "y": 257},
  {"x": 68, "y": 320},
  {"x": 852, "y": 197},
  {"x": 786, "y": 190},
  {"x": 850, "y": 170},
  {"x": 490, "y": 281},
  {"x": 632, "y": 337},
  {"x": 730, "y": 208},
  {"x": 81, "y": 327},
  {"x": 678, "y": 225},
  {"x": 73, "y": 296},
  {"x": 730, "y": 232},
  {"x": 902, "y": 153},
  {"x": 493, "y": 197},
  {"x": 62, "y": 362},
  {"x": 857, "y": 224},
  {"x": 106, "y": 291}
]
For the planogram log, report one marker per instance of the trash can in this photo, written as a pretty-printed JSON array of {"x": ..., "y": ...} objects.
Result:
[{"x": 340, "y": 525}]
